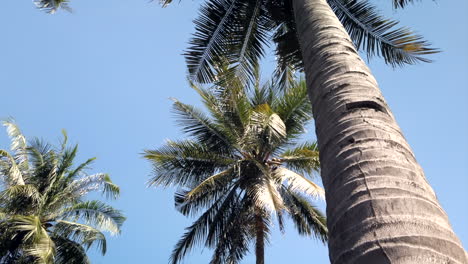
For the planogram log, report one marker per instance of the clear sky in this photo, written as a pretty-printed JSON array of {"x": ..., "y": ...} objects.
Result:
[{"x": 106, "y": 71}]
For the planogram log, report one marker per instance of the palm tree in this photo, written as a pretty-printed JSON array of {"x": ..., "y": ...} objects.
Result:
[
  {"x": 380, "y": 208},
  {"x": 239, "y": 169},
  {"x": 44, "y": 217}
]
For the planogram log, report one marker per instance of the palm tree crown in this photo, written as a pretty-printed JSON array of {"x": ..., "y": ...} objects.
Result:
[
  {"x": 240, "y": 31},
  {"x": 44, "y": 217},
  {"x": 238, "y": 168}
]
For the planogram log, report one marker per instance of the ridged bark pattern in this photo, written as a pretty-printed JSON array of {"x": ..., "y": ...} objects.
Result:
[{"x": 380, "y": 208}]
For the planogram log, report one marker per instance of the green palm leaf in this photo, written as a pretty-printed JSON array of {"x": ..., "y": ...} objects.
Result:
[
  {"x": 69, "y": 252},
  {"x": 82, "y": 234},
  {"x": 97, "y": 214},
  {"x": 21, "y": 198},
  {"x": 10, "y": 170},
  {"x": 234, "y": 240},
  {"x": 18, "y": 144},
  {"x": 299, "y": 183},
  {"x": 294, "y": 109},
  {"x": 37, "y": 242},
  {"x": 195, "y": 123},
  {"x": 199, "y": 229},
  {"x": 249, "y": 38},
  {"x": 213, "y": 31},
  {"x": 184, "y": 163},
  {"x": 377, "y": 35},
  {"x": 265, "y": 128},
  {"x": 98, "y": 181},
  {"x": 210, "y": 183},
  {"x": 304, "y": 158},
  {"x": 401, "y": 3},
  {"x": 307, "y": 219},
  {"x": 66, "y": 159}
]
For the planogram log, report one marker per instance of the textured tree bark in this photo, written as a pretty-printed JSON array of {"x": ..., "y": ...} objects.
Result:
[
  {"x": 380, "y": 208},
  {"x": 260, "y": 239}
]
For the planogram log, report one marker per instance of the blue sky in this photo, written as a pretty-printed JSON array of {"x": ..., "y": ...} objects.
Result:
[{"x": 105, "y": 73}]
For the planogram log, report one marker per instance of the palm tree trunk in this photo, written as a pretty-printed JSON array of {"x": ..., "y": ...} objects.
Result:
[
  {"x": 260, "y": 238},
  {"x": 380, "y": 208}
]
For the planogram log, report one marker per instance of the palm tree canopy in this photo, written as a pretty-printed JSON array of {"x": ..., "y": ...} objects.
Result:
[
  {"x": 240, "y": 31},
  {"x": 44, "y": 217},
  {"x": 242, "y": 159}
]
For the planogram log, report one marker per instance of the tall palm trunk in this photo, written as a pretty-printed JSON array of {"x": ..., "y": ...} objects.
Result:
[
  {"x": 259, "y": 238},
  {"x": 380, "y": 208}
]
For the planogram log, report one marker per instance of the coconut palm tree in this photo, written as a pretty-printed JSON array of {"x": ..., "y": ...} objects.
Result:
[
  {"x": 44, "y": 217},
  {"x": 239, "y": 168},
  {"x": 380, "y": 208}
]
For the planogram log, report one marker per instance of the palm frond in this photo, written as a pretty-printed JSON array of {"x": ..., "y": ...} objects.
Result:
[
  {"x": 184, "y": 163},
  {"x": 304, "y": 158},
  {"x": 198, "y": 230},
  {"x": 266, "y": 196},
  {"x": 66, "y": 159},
  {"x": 263, "y": 96},
  {"x": 249, "y": 39},
  {"x": 37, "y": 242},
  {"x": 377, "y": 35},
  {"x": 80, "y": 168},
  {"x": 294, "y": 109},
  {"x": 69, "y": 252},
  {"x": 98, "y": 181},
  {"x": 401, "y": 3},
  {"x": 68, "y": 192},
  {"x": 297, "y": 182},
  {"x": 288, "y": 52},
  {"x": 265, "y": 128},
  {"x": 38, "y": 151},
  {"x": 96, "y": 214},
  {"x": 213, "y": 28},
  {"x": 232, "y": 242},
  {"x": 209, "y": 99},
  {"x": 20, "y": 198},
  {"x": 18, "y": 144},
  {"x": 224, "y": 216},
  {"x": 44, "y": 165},
  {"x": 210, "y": 183},
  {"x": 227, "y": 104},
  {"x": 284, "y": 78},
  {"x": 12, "y": 174},
  {"x": 82, "y": 234},
  {"x": 308, "y": 220},
  {"x": 64, "y": 141},
  {"x": 197, "y": 124},
  {"x": 199, "y": 202}
]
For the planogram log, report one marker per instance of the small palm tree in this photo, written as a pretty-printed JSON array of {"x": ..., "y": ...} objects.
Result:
[
  {"x": 44, "y": 217},
  {"x": 238, "y": 168}
]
